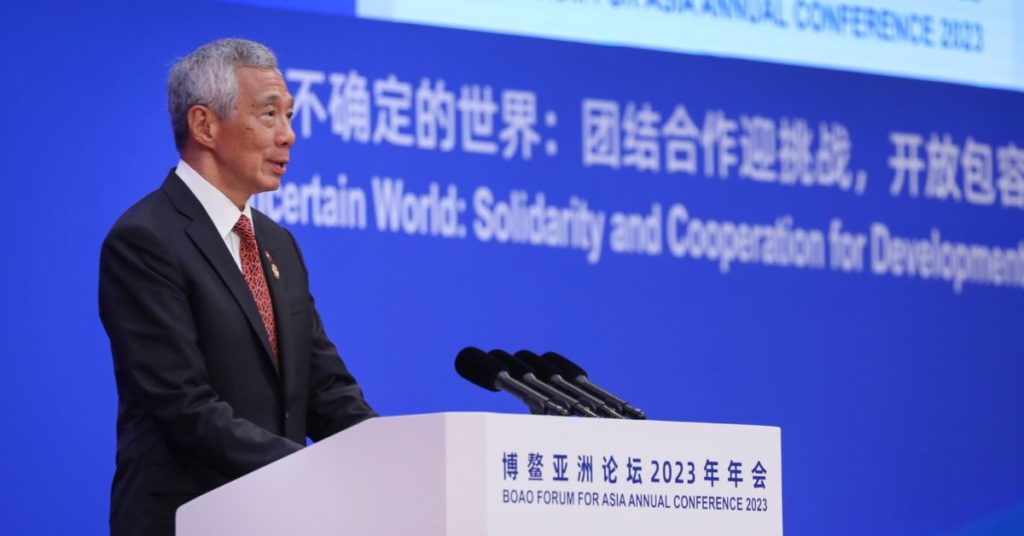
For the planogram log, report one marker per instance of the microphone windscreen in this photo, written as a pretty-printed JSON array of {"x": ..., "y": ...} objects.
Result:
[
  {"x": 568, "y": 368},
  {"x": 516, "y": 367},
  {"x": 476, "y": 366},
  {"x": 541, "y": 367}
]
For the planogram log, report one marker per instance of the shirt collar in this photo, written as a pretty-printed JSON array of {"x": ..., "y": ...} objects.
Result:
[{"x": 221, "y": 210}]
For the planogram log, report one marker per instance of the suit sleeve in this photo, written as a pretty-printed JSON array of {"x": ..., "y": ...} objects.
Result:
[
  {"x": 335, "y": 400},
  {"x": 145, "y": 309}
]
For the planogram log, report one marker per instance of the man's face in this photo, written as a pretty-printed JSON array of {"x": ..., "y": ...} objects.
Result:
[{"x": 252, "y": 146}]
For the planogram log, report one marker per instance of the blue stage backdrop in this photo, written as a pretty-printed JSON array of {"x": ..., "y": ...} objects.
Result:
[{"x": 840, "y": 255}]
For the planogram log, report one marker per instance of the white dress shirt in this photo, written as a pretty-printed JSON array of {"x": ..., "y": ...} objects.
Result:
[{"x": 221, "y": 210}]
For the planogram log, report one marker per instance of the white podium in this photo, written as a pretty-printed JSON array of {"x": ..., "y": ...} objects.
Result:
[{"x": 477, "y": 474}]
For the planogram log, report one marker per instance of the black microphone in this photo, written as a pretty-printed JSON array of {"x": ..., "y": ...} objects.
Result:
[
  {"x": 577, "y": 374},
  {"x": 552, "y": 374},
  {"x": 524, "y": 373},
  {"x": 490, "y": 373}
]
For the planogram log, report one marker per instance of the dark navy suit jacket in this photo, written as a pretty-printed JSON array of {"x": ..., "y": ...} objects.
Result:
[{"x": 201, "y": 401}]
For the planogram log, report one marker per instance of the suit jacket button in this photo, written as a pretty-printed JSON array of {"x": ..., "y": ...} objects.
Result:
[{"x": 287, "y": 415}]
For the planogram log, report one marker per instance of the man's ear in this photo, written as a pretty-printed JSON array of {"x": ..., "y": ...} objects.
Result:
[{"x": 203, "y": 125}]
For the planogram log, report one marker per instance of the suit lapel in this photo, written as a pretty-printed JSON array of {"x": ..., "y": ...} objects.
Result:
[
  {"x": 277, "y": 283},
  {"x": 204, "y": 235}
]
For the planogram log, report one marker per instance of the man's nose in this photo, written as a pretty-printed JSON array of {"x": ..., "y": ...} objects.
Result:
[{"x": 286, "y": 134}]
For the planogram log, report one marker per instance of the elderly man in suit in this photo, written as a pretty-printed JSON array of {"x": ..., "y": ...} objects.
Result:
[{"x": 221, "y": 360}]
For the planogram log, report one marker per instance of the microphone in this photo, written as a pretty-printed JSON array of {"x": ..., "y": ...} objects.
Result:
[
  {"x": 578, "y": 375},
  {"x": 521, "y": 371},
  {"x": 549, "y": 372},
  {"x": 490, "y": 373}
]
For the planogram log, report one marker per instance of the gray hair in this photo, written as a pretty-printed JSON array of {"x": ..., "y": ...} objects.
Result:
[{"x": 207, "y": 77}]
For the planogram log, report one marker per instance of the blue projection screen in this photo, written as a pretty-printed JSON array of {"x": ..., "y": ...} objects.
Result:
[{"x": 717, "y": 240}]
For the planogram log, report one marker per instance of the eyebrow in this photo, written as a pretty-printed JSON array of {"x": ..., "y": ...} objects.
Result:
[{"x": 274, "y": 98}]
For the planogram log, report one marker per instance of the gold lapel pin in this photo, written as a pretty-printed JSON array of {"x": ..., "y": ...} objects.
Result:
[{"x": 277, "y": 273}]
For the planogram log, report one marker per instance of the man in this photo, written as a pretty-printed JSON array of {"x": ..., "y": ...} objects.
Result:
[{"x": 221, "y": 361}]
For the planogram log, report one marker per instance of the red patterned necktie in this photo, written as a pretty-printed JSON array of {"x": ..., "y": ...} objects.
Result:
[{"x": 256, "y": 279}]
